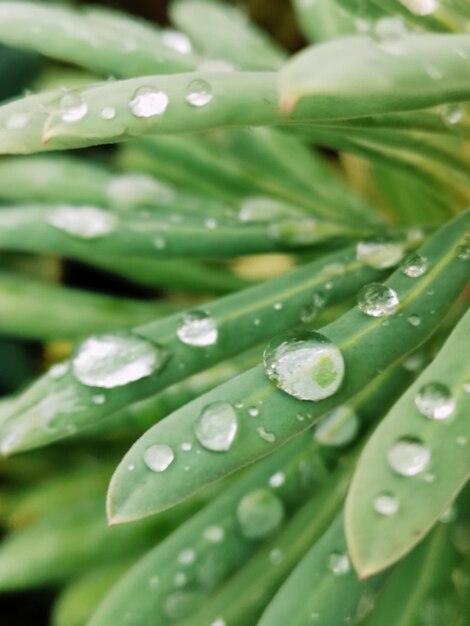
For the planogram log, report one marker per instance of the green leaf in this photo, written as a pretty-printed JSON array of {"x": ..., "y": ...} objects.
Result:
[
  {"x": 357, "y": 76},
  {"x": 314, "y": 592},
  {"x": 98, "y": 40},
  {"x": 367, "y": 347},
  {"x": 243, "y": 320},
  {"x": 215, "y": 537},
  {"x": 222, "y": 31},
  {"x": 322, "y": 20},
  {"x": 376, "y": 541}
]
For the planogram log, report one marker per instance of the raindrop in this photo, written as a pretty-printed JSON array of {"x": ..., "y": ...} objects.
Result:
[
  {"x": 463, "y": 252},
  {"x": 148, "y": 102},
  {"x": 186, "y": 446},
  {"x": 83, "y": 222},
  {"x": 261, "y": 209},
  {"x": 421, "y": 7},
  {"x": 98, "y": 398},
  {"x": 211, "y": 223},
  {"x": 277, "y": 479},
  {"x": 197, "y": 328},
  {"x": 338, "y": 563},
  {"x": 338, "y": 427},
  {"x": 305, "y": 364},
  {"x": 159, "y": 457},
  {"x": 180, "y": 604},
  {"x": 177, "y": 41},
  {"x": 159, "y": 243},
  {"x": 187, "y": 557},
  {"x": 219, "y": 622},
  {"x": 259, "y": 513},
  {"x": 386, "y": 504},
  {"x": 135, "y": 190},
  {"x": 108, "y": 113},
  {"x": 379, "y": 253},
  {"x": 452, "y": 113},
  {"x": 296, "y": 232},
  {"x": 217, "y": 427},
  {"x": 414, "y": 265},
  {"x": 276, "y": 556},
  {"x": 311, "y": 310},
  {"x": 277, "y": 306},
  {"x": 414, "y": 320},
  {"x": 434, "y": 400},
  {"x": 377, "y": 300},
  {"x": 109, "y": 361},
  {"x": 199, "y": 93},
  {"x": 214, "y": 534},
  {"x": 17, "y": 121},
  {"x": 409, "y": 457},
  {"x": 59, "y": 370},
  {"x": 73, "y": 108},
  {"x": 389, "y": 33},
  {"x": 253, "y": 411},
  {"x": 265, "y": 435}
]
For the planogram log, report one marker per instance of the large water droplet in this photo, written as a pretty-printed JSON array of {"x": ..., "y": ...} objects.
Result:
[
  {"x": 73, "y": 108},
  {"x": 338, "y": 427},
  {"x": 259, "y": 513},
  {"x": 109, "y": 361},
  {"x": 217, "y": 427},
  {"x": 386, "y": 504},
  {"x": 199, "y": 93},
  {"x": 379, "y": 254},
  {"x": 377, "y": 300},
  {"x": 305, "y": 365},
  {"x": 84, "y": 222},
  {"x": 338, "y": 563},
  {"x": 176, "y": 40},
  {"x": 148, "y": 102},
  {"x": 159, "y": 457},
  {"x": 197, "y": 329},
  {"x": 414, "y": 265},
  {"x": 409, "y": 457},
  {"x": 435, "y": 400},
  {"x": 421, "y": 7}
]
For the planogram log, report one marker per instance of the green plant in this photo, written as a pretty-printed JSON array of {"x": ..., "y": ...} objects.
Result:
[{"x": 360, "y": 311}]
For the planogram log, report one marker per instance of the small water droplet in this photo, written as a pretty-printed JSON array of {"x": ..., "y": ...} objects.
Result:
[
  {"x": 452, "y": 113},
  {"x": 409, "y": 457},
  {"x": 338, "y": 427},
  {"x": 253, "y": 411},
  {"x": 463, "y": 252},
  {"x": 109, "y": 361},
  {"x": 275, "y": 556},
  {"x": 310, "y": 311},
  {"x": 259, "y": 513},
  {"x": 462, "y": 440},
  {"x": 159, "y": 457},
  {"x": 338, "y": 563},
  {"x": 277, "y": 479},
  {"x": 377, "y": 300},
  {"x": 98, "y": 398},
  {"x": 278, "y": 306},
  {"x": 187, "y": 557},
  {"x": 414, "y": 362},
  {"x": 159, "y": 243},
  {"x": 73, "y": 108},
  {"x": 386, "y": 504},
  {"x": 219, "y": 622},
  {"x": 414, "y": 265},
  {"x": 379, "y": 253},
  {"x": 108, "y": 113},
  {"x": 265, "y": 435},
  {"x": 217, "y": 427},
  {"x": 186, "y": 446},
  {"x": 83, "y": 222},
  {"x": 197, "y": 329},
  {"x": 414, "y": 320},
  {"x": 131, "y": 467},
  {"x": 176, "y": 40},
  {"x": 305, "y": 365},
  {"x": 435, "y": 400},
  {"x": 261, "y": 209},
  {"x": 148, "y": 102},
  {"x": 421, "y": 7},
  {"x": 214, "y": 534},
  {"x": 199, "y": 93},
  {"x": 296, "y": 232},
  {"x": 17, "y": 121}
]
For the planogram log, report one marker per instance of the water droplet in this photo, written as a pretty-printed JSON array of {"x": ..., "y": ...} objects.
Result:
[
  {"x": 131, "y": 467},
  {"x": 277, "y": 306},
  {"x": 17, "y": 121},
  {"x": 73, "y": 108},
  {"x": 136, "y": 190},
  {"x": 452, "y": 113},
  {"x": 84, "y": 222},
  {"x": 414, "y": 320},
  {"x": 276, "y": 556},
  {"x": 217, "y": 426},
  {"x": 434, "y": 400},
  {"x": 261, "y": 209},
  {"x": 199, "y": 93},
  {"x": 277, "y": 479},
  {"x": 214, "y": 534},
  {"x": 386, "y": 504},
  {"x": 219, "y": 622},
  {"x": 421, "y": 7},
  {"x": 253, "y": 411},
  {"x": 148, "y": 102},
  {"x": 154, "y": 582},
  {"x": 377, "y": 300},
  {"x": 414, "y": 265},
  {"x": 449, "y": 515},
  {"x": 259, "y": 513},
  {"x": 338, "y": 427},
  {"x": 180, "y": 604},
  {"x": 98, "y": 398},
  {"x": 186, "y": 446},
  {"x": 296, "y": 232},
  {"x": 338, "y": 563},
  {"x": 379, "y": 253},
  {"x": 187, "y": 557},
  {"x": 109, "y": 361},
  {"x": 463, "y": 252},
  {"x": 108, "y": 113},
  {"x": 177, "y": 41},
  {"x": 305, "y": 364},
  {"x": 409, "y": 457},
  {"x": 197, "y": 329},
  {"x": 414, "y": 362},
  {"x": 159, "y": 457},
  {"x": 462, "y": 440},
  {"x": 310, "y": 311},
  {"x": 265, "y": 435},
  {"x": 389, "y": 34},
  {"x": 159, "y": 243},
  {"x": 466, "y": 387}
]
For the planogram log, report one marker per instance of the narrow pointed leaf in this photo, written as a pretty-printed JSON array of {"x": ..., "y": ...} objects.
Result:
[
  {"x": 376, "y": 540},
  {"x": 367, "y": 347}
]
